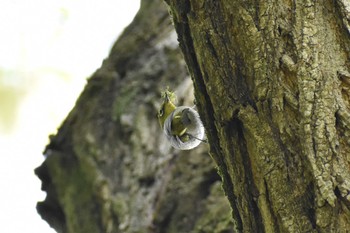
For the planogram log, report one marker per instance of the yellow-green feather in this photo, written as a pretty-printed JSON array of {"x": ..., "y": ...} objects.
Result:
[
  {"x": 167, "y": 108},
  {"x": 177, "y": 126}
]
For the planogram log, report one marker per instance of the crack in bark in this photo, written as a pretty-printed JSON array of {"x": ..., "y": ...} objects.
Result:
[
  {"x": 269, "y": 205},
  {"x": 252, "y": 191}
]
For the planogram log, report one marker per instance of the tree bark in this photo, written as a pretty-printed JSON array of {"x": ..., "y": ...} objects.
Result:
[
  {"x": 272, "y": 81},
  {"x": 110, "y": 168}
]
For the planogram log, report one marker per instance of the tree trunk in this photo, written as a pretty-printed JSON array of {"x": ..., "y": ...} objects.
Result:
[
  {"x": 110, "y": 168},
  {"x": 272, "y": 85}
]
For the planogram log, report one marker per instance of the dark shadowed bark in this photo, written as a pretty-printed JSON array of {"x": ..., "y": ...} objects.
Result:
[
  {"x": 272, "y": 86},
  {"x": 110, "y": 168}
]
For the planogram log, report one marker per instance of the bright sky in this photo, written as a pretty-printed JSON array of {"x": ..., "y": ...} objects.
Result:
[{"x": 47, "y": 50}]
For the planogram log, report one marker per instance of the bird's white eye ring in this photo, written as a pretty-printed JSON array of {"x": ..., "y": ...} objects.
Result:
[{"x": 161, "y": 112}]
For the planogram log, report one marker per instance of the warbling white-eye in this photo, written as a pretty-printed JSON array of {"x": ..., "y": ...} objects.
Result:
[{"x": 181, "y": 125}]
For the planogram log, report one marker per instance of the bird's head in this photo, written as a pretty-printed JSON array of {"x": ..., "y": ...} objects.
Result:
[{"x": 167, "y": 107}]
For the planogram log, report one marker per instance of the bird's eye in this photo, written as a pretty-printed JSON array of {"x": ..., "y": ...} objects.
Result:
[{"x": 161, "y": 112}]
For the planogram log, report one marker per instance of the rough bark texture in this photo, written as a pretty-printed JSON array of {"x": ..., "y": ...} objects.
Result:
[
  {"x": 272, "y": 86},
  {"x": 110, "y": 168}
]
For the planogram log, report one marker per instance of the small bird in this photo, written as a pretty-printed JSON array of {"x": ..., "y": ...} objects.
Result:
[{"x": 181, "y": 125}]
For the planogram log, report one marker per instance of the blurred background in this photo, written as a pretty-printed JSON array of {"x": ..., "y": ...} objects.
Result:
[{"x": 47, "y": 51}]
